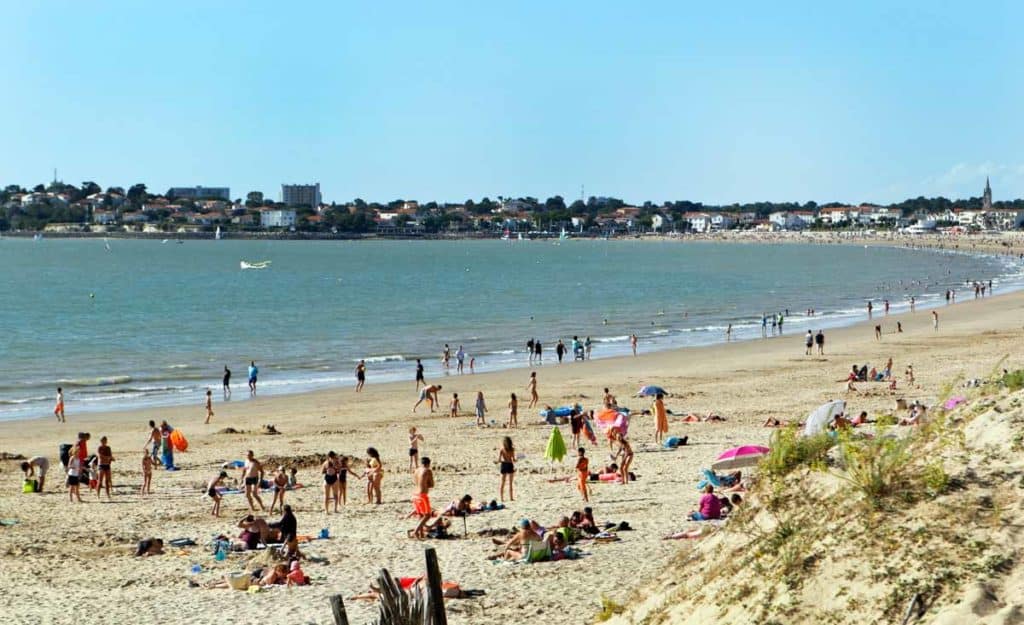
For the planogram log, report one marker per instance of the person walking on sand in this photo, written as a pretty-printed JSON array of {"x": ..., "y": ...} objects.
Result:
[
  {"x": 935, "y": 321},
  {"x": 481, "y": 409},
  {"x": 254, "y": 373},
  {"x": 226, "y": 383},
  {"x": 454, "y": 406},
  {"x": 660, "y": 418},
  {"x": 912, "y": 304},
  {"x": 632, "y": 342},
  {"x": 582, "y": 473},
  {"x": 728, "y": 333},
  {"x": 808, "y": 343},
  {"x": 252, "y": 475},
  {"x": 429, "y": 395},
  {"x": 513, "y": 412},
  {"x": 360, "y": 375},
  {"x": 154, "y": 441},
  {"x": 209, "y": 405},
  {"x": 507, "y": 467},
  {"x": 58, "y": 409},
  {"x": 419, "y": 375},
  {"x": 819, "y": 340},
  {"x": 424, "y": 480},
  {"x": 531, "y": 386},
  {"x": 212, "y": 493},
  {"x": 147, "y": 474},
  {"x": 415, "y": 438},
  {"x": 106, "y": 457},
  {"x": 559, "y": 350}
]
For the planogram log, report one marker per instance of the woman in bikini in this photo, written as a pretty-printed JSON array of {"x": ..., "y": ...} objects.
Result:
[
  {"x": 106, "y": 456},
  {"x": 330, "y": 470},
  {"x": 507, "y": 467},
  {"x": 374, "y": 475},
  {"x": 532, "y": 387}
]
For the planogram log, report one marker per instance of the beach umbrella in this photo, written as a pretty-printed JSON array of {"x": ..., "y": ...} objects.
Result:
[
  {"x": 818, "y": 421},
  {"x": 556, "y": 446},
  {"x": 650, "y": 391},
  {"x": 739, "y": 457}
]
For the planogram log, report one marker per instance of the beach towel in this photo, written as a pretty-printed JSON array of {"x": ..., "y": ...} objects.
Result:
[
  {"x": 556, "y": 446},
  {"x": 588, "y": 429}
]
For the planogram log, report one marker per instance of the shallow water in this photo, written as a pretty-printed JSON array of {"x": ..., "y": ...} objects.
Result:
[{"x": 148, "y": 323}]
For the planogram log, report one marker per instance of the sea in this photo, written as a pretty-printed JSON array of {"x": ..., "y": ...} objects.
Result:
[{"x": 126, "y": 324}]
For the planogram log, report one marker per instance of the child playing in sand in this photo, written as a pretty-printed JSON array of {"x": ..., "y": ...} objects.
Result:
[
  {"x": 211, "y": 491},
  {"x": 147, "y": 474},
  {"x": 343, "y": 478},
  {"x": 626, "y": 454},
  {"x": 414, "y": 451},
  {"x": 74, "y": 473},
  {"x": 481, "y": 408},
  {"x": 507, "y": 467},
  {"x": 279, "y": 485},
  {"x": 582, "y": 472},
  {"x": 454, "y": 406}
]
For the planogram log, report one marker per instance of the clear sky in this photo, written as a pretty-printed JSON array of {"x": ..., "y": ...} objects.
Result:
[{"x": 711, "y": 102}]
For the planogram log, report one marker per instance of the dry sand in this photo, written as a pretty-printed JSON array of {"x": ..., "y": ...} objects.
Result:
[{"x": 68, "y": 562}]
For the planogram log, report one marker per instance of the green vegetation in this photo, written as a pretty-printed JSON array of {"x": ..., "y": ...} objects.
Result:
[
  {"x": 609, "y": 608},
  {"x": 790, "y": 450}
]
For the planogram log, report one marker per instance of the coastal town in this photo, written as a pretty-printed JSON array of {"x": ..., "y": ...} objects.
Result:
[{"x": 68, "y": 210}]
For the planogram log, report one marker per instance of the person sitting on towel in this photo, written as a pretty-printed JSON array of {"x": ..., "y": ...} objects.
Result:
[{"x": 709, "y": 508}]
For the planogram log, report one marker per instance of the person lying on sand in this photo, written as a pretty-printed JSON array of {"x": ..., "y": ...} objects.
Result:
[
  {"x": 150, "y": 547},
  {"x": 450, "y": 590},
  {"x": 772, "y": 422},
  {"x": 460, "y": 507},
  {"x": 696, "y": 418},
  {"x": 861, "y": 419},
  {"x": 295, "y": 575}
]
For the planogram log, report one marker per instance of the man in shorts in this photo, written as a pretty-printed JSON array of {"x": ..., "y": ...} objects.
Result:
[
  {"x": 429, "y": 395},
  {"x": 254, "y": 373},
  {"x": 424, "y": 479},
  {"x": 419, "y": 374}
]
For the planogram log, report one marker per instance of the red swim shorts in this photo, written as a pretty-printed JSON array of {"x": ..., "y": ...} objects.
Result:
[{"x": 421, "y": 503}]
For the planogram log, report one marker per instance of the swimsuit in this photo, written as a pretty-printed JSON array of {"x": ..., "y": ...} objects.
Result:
[
  {"x": 507, "y": 468},
  {"x": 252, "y": 481},
  {"x": 343, "y": 475},
  {"x": 211, "y": 492},
  {"x": 421, "y": 503},
  {"x": 413, "y": 451},
  {"x": 104, "y": 467},
  {"x": 330, "y": 479}
]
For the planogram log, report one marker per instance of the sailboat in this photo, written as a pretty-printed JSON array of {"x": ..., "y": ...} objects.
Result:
[
  {"x": 216, "y": 236},
  {"x": 563, "y": 236}
]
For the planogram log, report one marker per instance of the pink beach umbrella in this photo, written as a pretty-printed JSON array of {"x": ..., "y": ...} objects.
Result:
[{"x": 739, "y": 457}]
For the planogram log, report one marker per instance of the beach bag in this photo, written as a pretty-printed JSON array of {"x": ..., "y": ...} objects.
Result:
[
  {"x": 65, "y": 453},
  {"x": 30, "y": 486}
]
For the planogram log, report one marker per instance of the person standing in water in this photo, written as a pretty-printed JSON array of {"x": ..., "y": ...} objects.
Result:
[
  {"x": 460, "y": 359},
  {"x": 538, "y": 352},
  {"x": 728, "y": 333},
  {"x": 254, "y": 373},
  {"x": 587, "y": 347},
  {"x": 58, "y": 409},
  {"x": 227, "y": 382},
  {"x": 360, "y": 375}
]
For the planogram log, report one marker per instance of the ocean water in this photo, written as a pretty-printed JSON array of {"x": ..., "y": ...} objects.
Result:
[{"x": 148, "y": 323}]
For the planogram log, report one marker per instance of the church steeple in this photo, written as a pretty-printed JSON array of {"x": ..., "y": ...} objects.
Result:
[{"x": 986, "y": 197}]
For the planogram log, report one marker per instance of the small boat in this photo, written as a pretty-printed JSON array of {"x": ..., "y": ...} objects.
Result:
[
  {"x": 217, "y": 234},
  {"x": 37, "y": 236},
  {"x": 263, "y": 264}
]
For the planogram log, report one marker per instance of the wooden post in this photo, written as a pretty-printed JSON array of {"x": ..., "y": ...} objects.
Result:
[
  {"x": 436, "y": 595},
  {"x": 338, "y": 610}
]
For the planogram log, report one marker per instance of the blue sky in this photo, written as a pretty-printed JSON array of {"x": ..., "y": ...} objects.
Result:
[{"x": 866, "y": 101}]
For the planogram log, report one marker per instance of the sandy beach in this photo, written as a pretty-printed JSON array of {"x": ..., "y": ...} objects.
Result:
[{"x": 68, "y": 562}]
